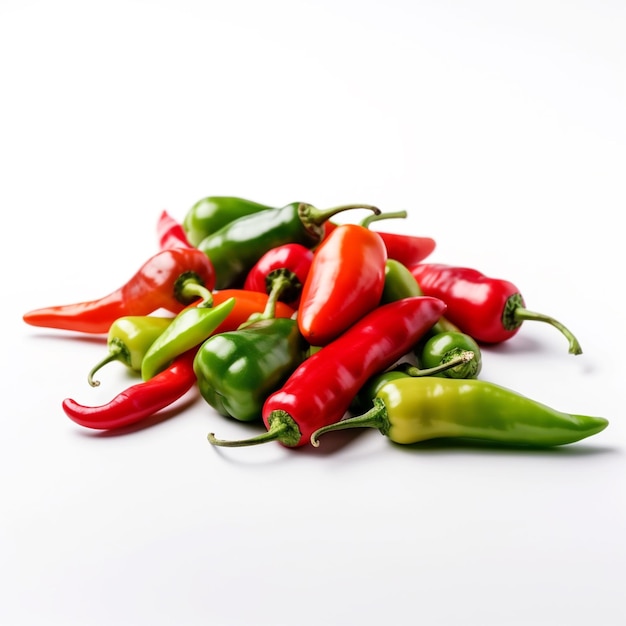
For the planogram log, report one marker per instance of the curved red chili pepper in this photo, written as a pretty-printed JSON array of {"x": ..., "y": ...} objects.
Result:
[
  {"x": 320, "y": 390},
  {"x": 138, "y": 401},
  {"x": 281, "y": 273},
  {"x": 170, "y": 280},
  {"x": 170, "y": 233},
  {"x": 490, "y": 310},
  {"x": 345, "y": 282}
]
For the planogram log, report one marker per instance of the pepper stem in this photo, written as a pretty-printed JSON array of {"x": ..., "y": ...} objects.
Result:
[
  {"x": 282, "y": 428},
  {"x": 461, "y": 359},
  {"x": 282, "y": 283},
  {"x": 381, "y": 216},
  {"x": 117, "y": 352},
  {"x": 316, "y": 217},
  {"x": 191, "y": 288},
  {"x": 521, "y": 314},
  {"x": 376, "y": 417}
]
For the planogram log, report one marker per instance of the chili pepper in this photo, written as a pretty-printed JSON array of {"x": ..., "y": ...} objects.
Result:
[
  {"x": 128, "y": 341},
  {"x": 210, "y": 214},
  {"x": 408, "y": 249},
  {"x": 170, "y": 233},
  {"x": 238, "y": 245},
  {"x": 490, "y": 310},
  {"x": 238, "y": 370},
  {"x": 345, "y": 282},
  {"x": 188, "y": 329},
  {"x": 410, "y": 410},
  {"x": 442, "y": 348},
  {"x": 280, "y": 273},
  {"x": 170, "y": 280},
  {"x": 321, "y": 388},
  {"x": 138, "y": 401},
  {"x": 399, "y": 282}
]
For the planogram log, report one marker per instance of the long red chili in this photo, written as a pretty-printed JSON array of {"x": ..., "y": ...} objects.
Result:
[
  {"x": 138, "y": 401},
  {"x": 321, "y": 389},
  {"x": 170, "y": 233},
  {"x": 171, "y": 279},
  {"x": 345, "y": 282},
  {"x": 490, "y": 310}
]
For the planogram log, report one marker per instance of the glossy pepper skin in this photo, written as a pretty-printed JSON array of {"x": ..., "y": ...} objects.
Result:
[
  {"x": 128, "y": 341},
  {"x": 170, "y": 233},
  {"x": 281, "y": 272},
  {"x": 490, "y": 310},
  {"x": 186, "y": 331},
  {"x": 345, "y": 282},
  {"x": 237, "y": 246},
  {"x": 399, "y": 282},
  {"x": 138, "y": 401},
  {"x": 320, "y": 390},
  {"x": 443, "y": 347},
  {"x": 171, "y": 279},
  {"x": 411, "y": 410},
  {"x": 210, "y": 214},
  {"x": 237, "y": 370}
]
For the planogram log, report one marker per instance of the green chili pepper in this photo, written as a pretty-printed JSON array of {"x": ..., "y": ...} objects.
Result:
[
  {"x": 210, "y": 214},
  {"x": 410, "y": 410},
  {"x": 188, "y": 329},
  {"x": 442, "y": 347},
  {"x": 399, "y": 282},
  {"x": 237, "y": 246},
  {"x": 128, "y": 341},
  {"x": 238, "y": 370}
]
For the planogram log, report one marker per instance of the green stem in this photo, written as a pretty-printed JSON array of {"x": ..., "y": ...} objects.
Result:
[
  {"x": 382, "y": 216},
  {"x": 376, "y": 417},
  {"x": 521, "y": 314},
  {"x": 316, "y": 217},
  {"x": 191, "y": 289},
  {"x": 464, "y": 357},
  {"x": 117, "y": 352},
  {"x": 282, "y": 428}
]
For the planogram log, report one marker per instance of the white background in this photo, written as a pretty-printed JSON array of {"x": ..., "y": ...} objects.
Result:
[{"x": 499, "y": 127}]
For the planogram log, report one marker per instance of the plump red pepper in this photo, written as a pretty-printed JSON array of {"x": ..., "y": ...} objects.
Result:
[
  {"x": 170, "y": 280},
  {"x": 281, "y": 273},
  {"x": 138, "y": 401},
  {"x": 490, "y": 310},
  {"x": 406, "y": 249},
  {"x": 345, "y": 282},
  {"x": 170, "y": 233},
  {"x": 320, "y": 390}
]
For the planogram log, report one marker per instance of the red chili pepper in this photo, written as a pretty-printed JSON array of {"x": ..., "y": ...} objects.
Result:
[
  {"x": 490, "y": 310},
  {"x": 406, "y": 249},
  {"x": 281, "y": 273},
  {"x": 138, "y": 401},
  {"x": 345, "y": 282},
  {"x": 171, "y": 279},
  {"x": 247, "y": 303},
  {"x": 320, "y": 390},
  {"x": 170, "y": 233}
]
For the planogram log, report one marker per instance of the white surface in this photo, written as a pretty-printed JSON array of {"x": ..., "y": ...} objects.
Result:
[{"x": 498, "y": 126}]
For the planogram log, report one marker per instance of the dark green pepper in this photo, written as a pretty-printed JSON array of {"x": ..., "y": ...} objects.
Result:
[
  {"x": 237, "y": 246},
  {"x": 409, "y": 410},
  {"x": 237, "y": 370},
  {"x": 129, "y": 339},
  {"x": 210, "y": 214},
  {"x": 442, "y": 347}
]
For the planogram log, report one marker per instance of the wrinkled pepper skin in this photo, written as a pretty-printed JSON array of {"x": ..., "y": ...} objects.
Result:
[
  {"x": 410, "y": 410},
  {"x": 238, "y": 370}
]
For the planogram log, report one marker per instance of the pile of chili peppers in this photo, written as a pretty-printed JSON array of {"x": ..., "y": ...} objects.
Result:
[{"x": 283, "y": 317}]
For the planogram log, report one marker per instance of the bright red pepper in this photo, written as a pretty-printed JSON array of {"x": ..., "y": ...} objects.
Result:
[
  {"x": 170, "y": 280},
  {"x": 320, "y": 390},
  {"x": 406, "y": 249},
  {"x": 281, "y": 273},
  {"x": 138, "y": 401},
  {"x": 345, "y": 282},
  {"x": 490, "y": 310},
  {"x": 170, "y": 233}
]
